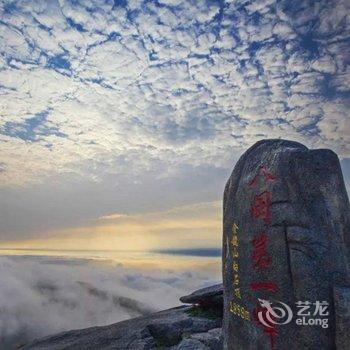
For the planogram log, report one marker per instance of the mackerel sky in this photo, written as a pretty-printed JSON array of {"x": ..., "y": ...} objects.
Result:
[{"x": 125, "y": 108}]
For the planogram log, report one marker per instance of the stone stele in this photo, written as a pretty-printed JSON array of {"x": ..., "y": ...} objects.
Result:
[{"x": 286, "y": 250}]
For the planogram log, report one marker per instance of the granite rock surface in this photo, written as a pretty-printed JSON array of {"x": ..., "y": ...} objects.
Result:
[
  {"x": 185, "y": 327},
  {"x": 286, "y": 242},
  {"x": 209, "y": 296}
]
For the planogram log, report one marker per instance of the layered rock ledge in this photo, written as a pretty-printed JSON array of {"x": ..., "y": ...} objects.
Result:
[{"x": 197, "y": 326}]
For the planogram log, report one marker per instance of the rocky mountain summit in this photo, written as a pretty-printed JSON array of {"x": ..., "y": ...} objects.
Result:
[
  {"x": 193, "y": 326},
  {"x": 286, "y": 258}
]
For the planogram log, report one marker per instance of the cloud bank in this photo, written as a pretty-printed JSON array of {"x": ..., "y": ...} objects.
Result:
[{"x": 45, "y": 295}]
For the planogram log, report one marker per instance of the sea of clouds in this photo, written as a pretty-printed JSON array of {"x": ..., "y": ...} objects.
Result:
[
  {"x": 40, "y": 296},
  {"x": 152, "y": 102}
]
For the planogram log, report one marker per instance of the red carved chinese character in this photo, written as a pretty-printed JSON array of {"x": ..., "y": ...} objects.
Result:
[
  {"x": 261, "y": 319},
  {"x": 267, "y": 286},
  {"x": 260, "y": 208},
  {"x": 262, "y": 172},
  {"x": 260, "y": 257}
]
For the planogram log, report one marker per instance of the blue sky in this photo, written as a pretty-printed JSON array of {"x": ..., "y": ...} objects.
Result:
[{"x": 138, "y": 107}]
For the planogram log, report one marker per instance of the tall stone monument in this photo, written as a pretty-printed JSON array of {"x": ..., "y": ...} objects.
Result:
[{"x": 286, "y": 250}]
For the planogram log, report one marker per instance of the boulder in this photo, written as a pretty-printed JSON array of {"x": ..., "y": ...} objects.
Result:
[
  {"x": 212, "y": 338},
  {"x": 191, "y": 344},
  {"x": 209, "y": 296},
  {"x": 286, "y": 246}
]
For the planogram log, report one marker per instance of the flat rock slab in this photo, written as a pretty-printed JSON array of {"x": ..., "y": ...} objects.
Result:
[
  {"x": 169, "y": 329},
  {"x": 209, "y": 296}
]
